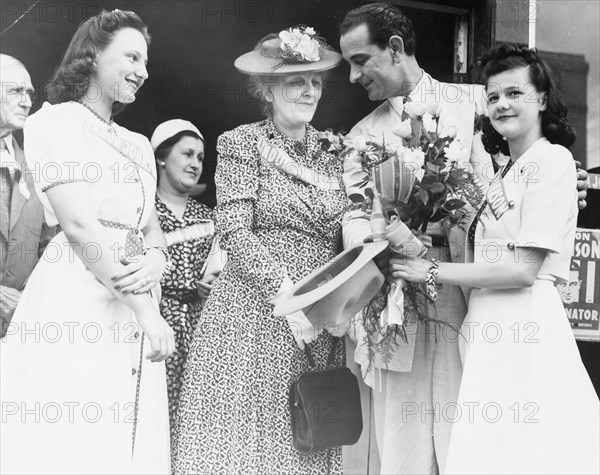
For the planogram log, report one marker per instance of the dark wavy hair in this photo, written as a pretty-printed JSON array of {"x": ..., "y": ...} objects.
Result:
[
  {"x": 555, "y": 126},
  {"x": 72, "y": 78},
  {"x": 383, "y": 21}
]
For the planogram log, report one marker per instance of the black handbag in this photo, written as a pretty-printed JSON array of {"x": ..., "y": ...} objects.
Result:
[{"x": 325, "y": 407}]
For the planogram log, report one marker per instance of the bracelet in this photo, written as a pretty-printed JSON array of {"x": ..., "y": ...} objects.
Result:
[
  {"x": 431, "y": 280},
  {"x": 165, "y": 252}
]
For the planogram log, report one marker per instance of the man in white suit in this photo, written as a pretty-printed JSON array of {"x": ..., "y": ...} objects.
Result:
[{"x": 415, "y": 393}]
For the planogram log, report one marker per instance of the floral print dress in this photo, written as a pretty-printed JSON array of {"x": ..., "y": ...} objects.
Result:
[
  {"x": 233, "y": 415},
  {"x": 189, "y": 240}
]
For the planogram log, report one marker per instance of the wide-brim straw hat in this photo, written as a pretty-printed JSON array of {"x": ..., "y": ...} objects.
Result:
[
  {"x": 335, "y": 292},
  {"x": 268, "y": 58}
]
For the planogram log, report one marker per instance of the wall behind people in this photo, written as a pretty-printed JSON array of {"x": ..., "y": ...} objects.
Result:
[
  {"x": 579, "y": 34},
  {"x": 570, "y": 43},
  {"x": 193, "y": 47}
]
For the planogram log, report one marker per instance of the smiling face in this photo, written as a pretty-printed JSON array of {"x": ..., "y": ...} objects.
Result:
[
  {"x": 120, "y": 68},
  {"x": 371, "y": 66},
  {"x": 15, "y": 96},
  {"x": 295, "y": 98},
  {"x": 515, "y": 106},
  {"x": 183, "y": 165}
]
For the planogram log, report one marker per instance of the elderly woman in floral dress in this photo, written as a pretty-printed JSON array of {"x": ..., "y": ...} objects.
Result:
[{"x": 277, "y": 224}]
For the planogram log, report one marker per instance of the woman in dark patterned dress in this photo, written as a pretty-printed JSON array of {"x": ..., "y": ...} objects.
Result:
[
  {"x": 189, "y": 228},
  {"x": 279, "y": 208}
]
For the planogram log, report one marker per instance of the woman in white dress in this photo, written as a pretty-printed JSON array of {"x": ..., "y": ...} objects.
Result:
[
  {"x": 83, "y": 378},
  {"x": 526, "y": 403}
]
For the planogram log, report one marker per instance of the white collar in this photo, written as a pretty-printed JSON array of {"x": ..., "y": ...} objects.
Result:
[
  {"x": 8, "y": 140},
  {"x": 424, "y": 84},
  {"x": 8, "y": 160}
]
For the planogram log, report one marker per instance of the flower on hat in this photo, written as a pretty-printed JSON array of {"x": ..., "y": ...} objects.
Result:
[{"x": 299, "y": 44}]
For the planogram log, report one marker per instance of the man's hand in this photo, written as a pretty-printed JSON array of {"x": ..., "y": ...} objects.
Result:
[
  {"x": 582, "y": 185},
  {"x": 8, "y": 302}
]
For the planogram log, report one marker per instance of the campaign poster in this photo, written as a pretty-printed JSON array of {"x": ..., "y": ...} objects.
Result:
[{"x": 581, "y": 294}]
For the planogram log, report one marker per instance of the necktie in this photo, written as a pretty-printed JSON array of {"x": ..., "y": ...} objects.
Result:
[
  {"x": 5, "y": 188},
  {"x": 404, "y": 114}
]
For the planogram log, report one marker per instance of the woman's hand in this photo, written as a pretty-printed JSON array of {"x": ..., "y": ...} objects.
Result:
[
  {"x": 142, "y": 273},
  {"x": 204, "y": 289},
  {"x": 206, "y": 285},
  {"x": 413, "y": 269},
  {"x": 157, "y": 330}
]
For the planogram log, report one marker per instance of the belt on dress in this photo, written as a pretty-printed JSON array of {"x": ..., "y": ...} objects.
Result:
[
  {"x": 114, "y": 225},
  {"x": 134, "y": 245}
]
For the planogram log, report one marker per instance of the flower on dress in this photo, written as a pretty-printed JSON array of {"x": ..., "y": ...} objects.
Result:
[{"x": 331, "y": 142}]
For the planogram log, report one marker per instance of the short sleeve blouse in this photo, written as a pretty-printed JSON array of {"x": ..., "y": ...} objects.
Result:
[
  {"x": 66, "y": 143},
  {"x": 542, "y": 197}
]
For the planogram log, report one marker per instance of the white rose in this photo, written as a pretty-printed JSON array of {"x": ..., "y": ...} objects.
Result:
[
  {"x": 404, "y": 130},
  {"x": 288, "y": 39},
  {"x": 309, "y": 30},
  {"x": 454, "y": 152},
  {"x": 414, "y": 109},
  {"x": 450, "y": 132},
  {"x": 308, "y": 48},
  {"x": 360, "y": 143},
  {"x": 434, "y": 108},
  {"x": 414, "y": 159},
  {"x": 352, "y": 161}
]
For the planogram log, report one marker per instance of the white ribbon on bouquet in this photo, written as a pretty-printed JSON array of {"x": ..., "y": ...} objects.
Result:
[{"x": 402, "y": 242}]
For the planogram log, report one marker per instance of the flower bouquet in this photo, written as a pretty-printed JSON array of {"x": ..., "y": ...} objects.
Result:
[{"x": 404, "y": 189}]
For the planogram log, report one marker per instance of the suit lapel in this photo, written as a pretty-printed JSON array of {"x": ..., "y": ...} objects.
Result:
[{"x": 4, "y": 225}]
